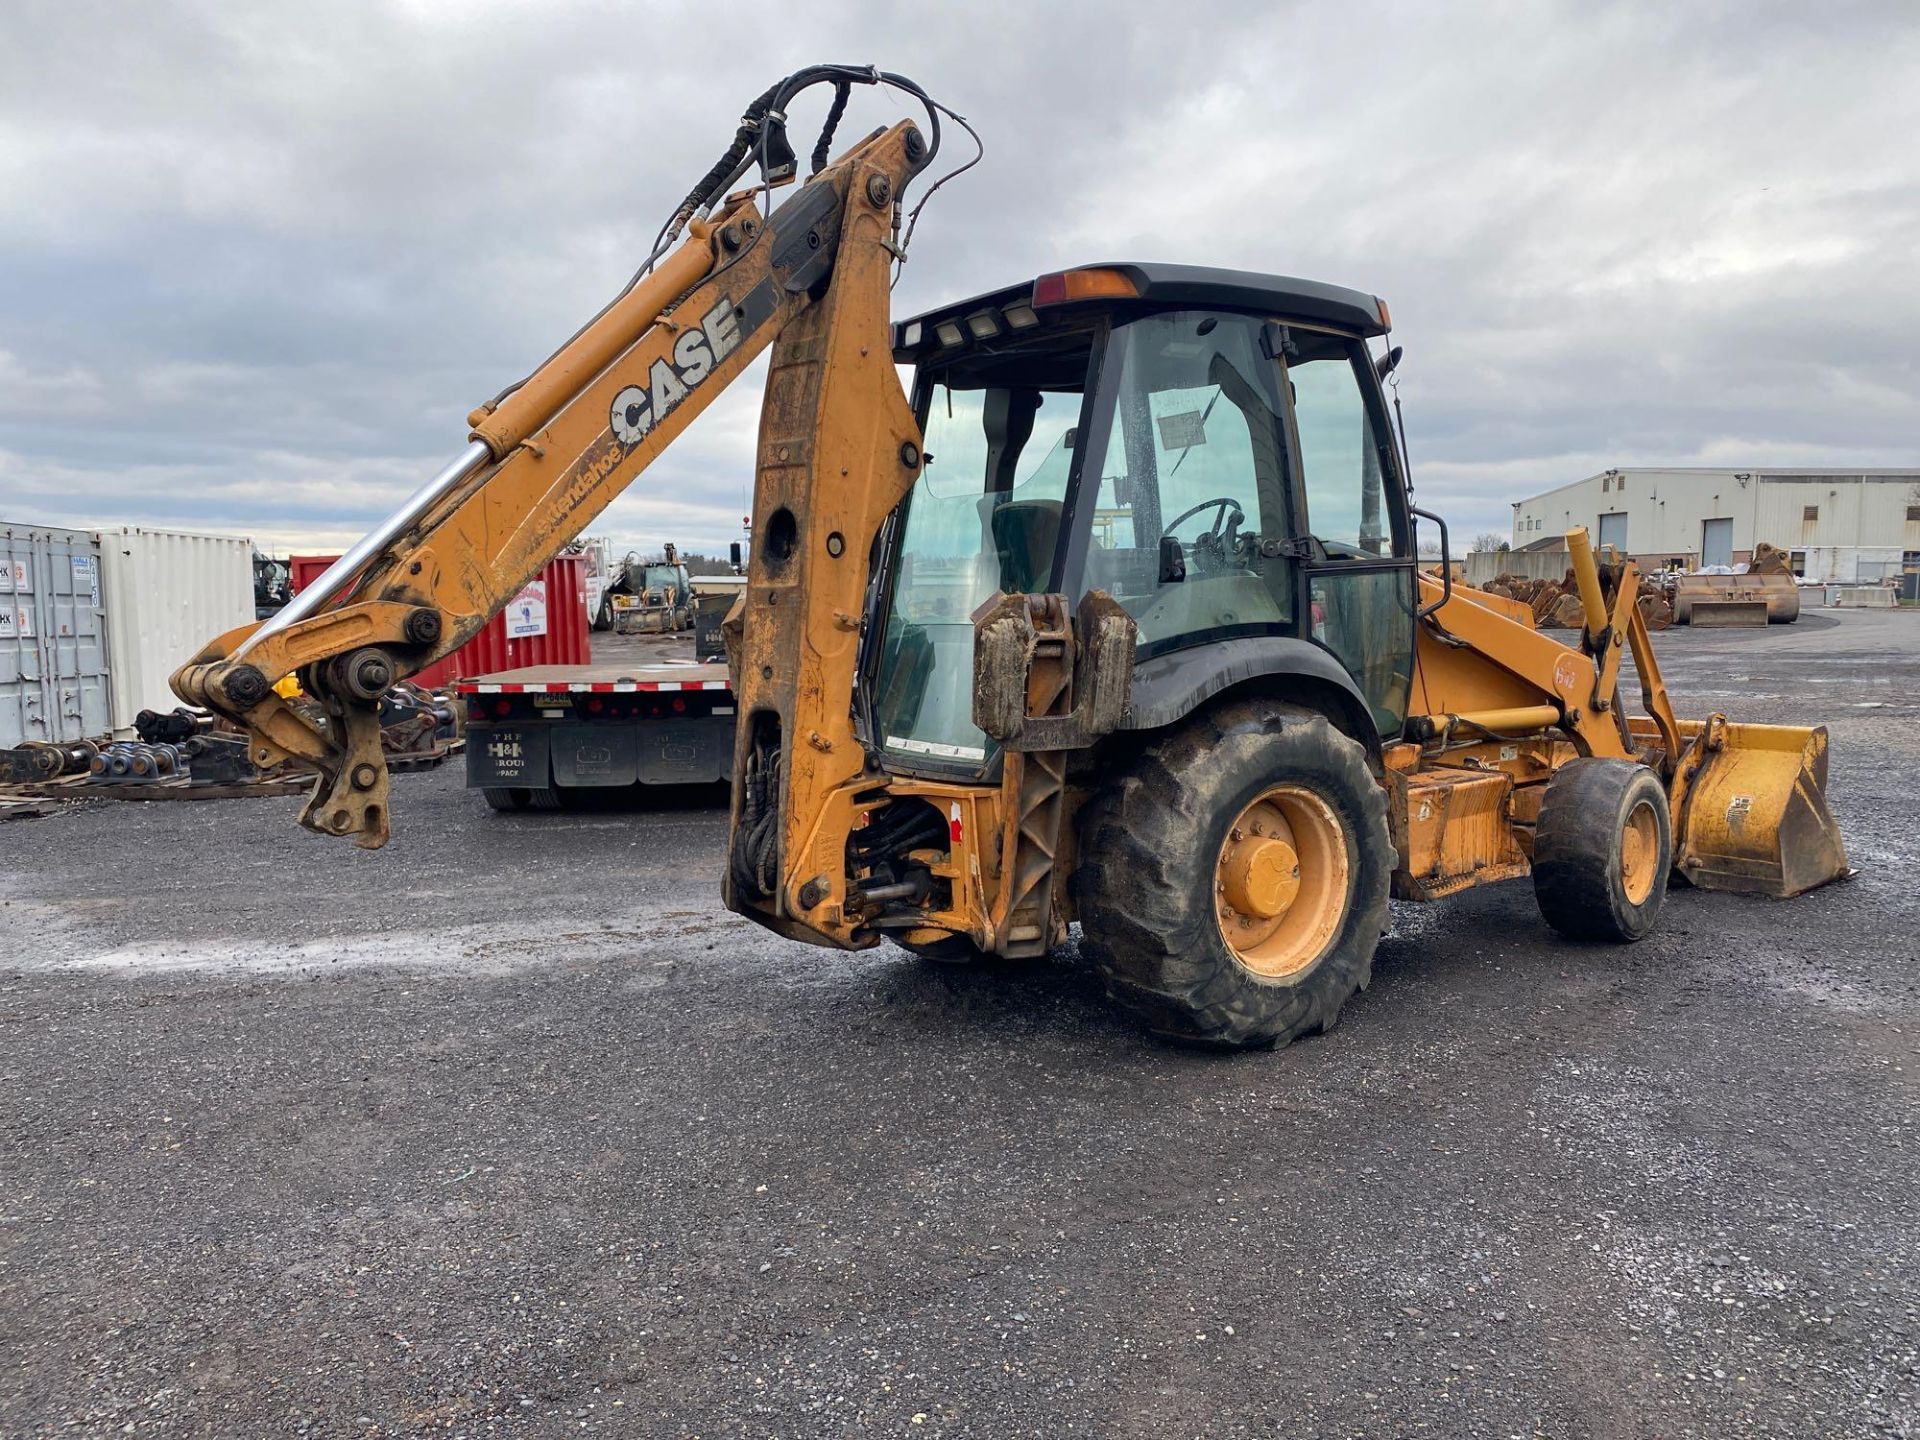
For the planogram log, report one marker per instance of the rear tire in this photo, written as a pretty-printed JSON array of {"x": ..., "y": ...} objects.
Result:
[
  {"x": 1159, "y": 846},
  {"x": 505, "y": 800},
  {"x": 1602, "y": 850},
  {"x": 546, "y": 798}
]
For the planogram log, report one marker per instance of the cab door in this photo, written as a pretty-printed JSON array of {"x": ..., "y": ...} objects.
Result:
[{"x": 1359, "y": 560}]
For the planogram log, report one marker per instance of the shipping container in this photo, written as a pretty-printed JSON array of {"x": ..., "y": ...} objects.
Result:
[
  {"x": 166, "y": 593},
  {"x": 53, "y": 660},
  {"x": 545, "y": 624}
]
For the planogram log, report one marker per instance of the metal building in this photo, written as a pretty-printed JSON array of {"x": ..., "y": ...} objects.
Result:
[{"x": 1846, "y": 527}]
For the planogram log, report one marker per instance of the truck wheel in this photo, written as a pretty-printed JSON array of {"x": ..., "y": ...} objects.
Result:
[
  {"x": 503, "y": 799},
  {"x": 1233, "y": 880},
  {"x": 546, "y": 798},
  {"x": 1602, "y": 850},
  {"x": 604, "y": 620}
]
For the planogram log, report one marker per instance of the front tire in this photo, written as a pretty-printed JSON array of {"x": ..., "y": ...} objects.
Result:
[
  {"x": 1233, "y": 880},
  {"x": 1602, "y": 850}
]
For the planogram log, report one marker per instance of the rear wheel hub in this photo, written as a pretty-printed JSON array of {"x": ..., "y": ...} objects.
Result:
[{"x": 1281, "y": 881}]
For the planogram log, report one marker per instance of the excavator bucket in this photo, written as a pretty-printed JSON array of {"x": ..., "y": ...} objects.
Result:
[{"x": 1752, "y": 813}]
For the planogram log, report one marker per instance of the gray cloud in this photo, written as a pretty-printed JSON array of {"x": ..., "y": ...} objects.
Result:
[{"x": 259, "y": 261}]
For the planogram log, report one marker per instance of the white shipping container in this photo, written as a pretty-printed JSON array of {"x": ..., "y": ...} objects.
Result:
[{"x": 166, "y": 592}]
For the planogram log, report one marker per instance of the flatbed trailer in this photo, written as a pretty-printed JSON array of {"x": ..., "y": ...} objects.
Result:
[{"x": 538, "y": 735}]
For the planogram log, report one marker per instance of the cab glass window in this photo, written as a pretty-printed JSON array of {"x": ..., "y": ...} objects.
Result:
[
  {"x": 1192, "y": 478},
  {"x": 1339, "y": 448},
  {"x": 983, "y": 517}
]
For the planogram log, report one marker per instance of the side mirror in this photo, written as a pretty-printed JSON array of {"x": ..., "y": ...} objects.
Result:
[{"x": 733, "y": 554}]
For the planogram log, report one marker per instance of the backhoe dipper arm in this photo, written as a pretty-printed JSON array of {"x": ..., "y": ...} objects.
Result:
[{"x": 551, "y": 454}]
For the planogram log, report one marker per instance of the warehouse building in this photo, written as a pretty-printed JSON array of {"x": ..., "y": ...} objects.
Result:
[{"x": 1841, "y": 527}]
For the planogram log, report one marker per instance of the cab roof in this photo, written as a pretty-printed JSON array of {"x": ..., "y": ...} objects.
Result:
[{"x": 1153, "y": 286}]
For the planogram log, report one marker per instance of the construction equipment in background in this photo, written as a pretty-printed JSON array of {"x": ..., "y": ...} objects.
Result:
[
  {"x": 272, "y": 585},
  {"x": 1117, "y": 621},
  {"x": 652, "y": 596},
  {"x": 601, "y": 572},
  {"x": 1764, "y": 592}
]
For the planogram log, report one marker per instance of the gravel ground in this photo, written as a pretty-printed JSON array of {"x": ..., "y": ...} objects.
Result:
[{"x": 511, "y": 1129}]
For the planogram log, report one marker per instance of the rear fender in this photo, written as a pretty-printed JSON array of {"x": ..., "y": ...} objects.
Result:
[{"x": 1168, "y": 688}]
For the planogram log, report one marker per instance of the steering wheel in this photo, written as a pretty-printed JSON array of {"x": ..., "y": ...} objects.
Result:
[{"x": 1224, "y": 524}]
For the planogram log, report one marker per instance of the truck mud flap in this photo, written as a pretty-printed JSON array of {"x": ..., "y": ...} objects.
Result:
[
  {"x": 693, "y": 750},
  {"x": 507, "y": 757},
  {"x": 596, "y": 755}
]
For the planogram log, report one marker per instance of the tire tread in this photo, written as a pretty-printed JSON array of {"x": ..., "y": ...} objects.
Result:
[{"x": 1161, "y": 955}]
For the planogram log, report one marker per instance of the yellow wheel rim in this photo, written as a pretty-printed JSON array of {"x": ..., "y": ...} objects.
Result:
[
  {"x": 1640, "y": 853},
  {"x": 1280, "y": 885}
]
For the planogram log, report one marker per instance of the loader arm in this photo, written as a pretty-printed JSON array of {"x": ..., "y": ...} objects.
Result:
[
  {"x": 549, "y": 455},
  {"x": 1747, "y": 802},
  {"x": 1580, "y": 683}
]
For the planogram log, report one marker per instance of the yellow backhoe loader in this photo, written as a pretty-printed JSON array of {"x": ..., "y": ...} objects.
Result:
[{"x": 1116, "y": 619}]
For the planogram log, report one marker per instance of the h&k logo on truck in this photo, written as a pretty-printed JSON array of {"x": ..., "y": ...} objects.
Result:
[{"x": 638, "y": 408}]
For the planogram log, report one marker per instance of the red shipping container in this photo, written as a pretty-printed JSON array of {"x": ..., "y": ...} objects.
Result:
[{"x": 564, "y": 641}]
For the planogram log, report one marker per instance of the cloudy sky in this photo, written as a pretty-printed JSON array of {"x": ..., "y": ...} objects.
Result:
[{"x": 258, "y": 260}]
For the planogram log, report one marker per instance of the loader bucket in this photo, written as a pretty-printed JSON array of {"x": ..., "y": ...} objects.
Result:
[
  {"x": 1752, "y": 810},
  {"x": 1773, "y": 590},
  {"x": 1728, "y": 614}
]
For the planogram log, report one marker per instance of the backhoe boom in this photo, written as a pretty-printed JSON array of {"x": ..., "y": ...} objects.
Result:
[{"x": 547, "y": 458}]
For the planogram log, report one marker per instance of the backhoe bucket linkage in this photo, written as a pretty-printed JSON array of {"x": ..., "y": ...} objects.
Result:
[{"x": 1750, "y": 809}]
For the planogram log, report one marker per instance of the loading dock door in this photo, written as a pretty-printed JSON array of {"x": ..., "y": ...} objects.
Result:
[
  {"x": 1613, "y": 531},
  {"x": 1716, "y": 542}
]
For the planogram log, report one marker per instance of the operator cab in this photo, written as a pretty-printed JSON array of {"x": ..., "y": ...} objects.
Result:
[{"x": 1209, "y": 447}]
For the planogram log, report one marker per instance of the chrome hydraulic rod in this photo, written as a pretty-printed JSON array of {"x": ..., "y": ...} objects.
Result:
[{"x": 343, "y": 571}]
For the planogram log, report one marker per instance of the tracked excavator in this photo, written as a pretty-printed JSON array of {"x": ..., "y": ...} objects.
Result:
[{"x": 1115, "y": 619}]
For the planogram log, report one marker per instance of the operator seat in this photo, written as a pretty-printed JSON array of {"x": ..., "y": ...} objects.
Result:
[{"x": 1023, "y": 534}]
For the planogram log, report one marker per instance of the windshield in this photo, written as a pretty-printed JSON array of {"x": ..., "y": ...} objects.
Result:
[{"x": 984, "y": 517}]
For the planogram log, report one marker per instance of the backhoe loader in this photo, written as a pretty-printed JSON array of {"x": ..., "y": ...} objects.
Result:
[{"x": 1115, "y": 620}]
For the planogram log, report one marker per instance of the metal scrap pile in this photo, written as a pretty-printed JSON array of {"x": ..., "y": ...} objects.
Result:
[
  {"x": 186, "y": 753},
  {"x": 1556, "y": 604}
]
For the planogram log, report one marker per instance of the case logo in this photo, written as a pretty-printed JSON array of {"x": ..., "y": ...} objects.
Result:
[{"x": 696, "y": 354}]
